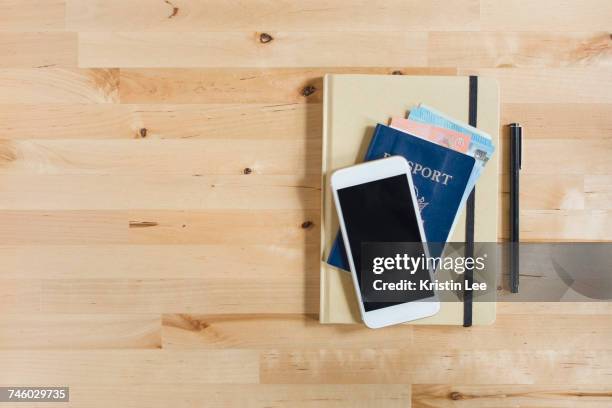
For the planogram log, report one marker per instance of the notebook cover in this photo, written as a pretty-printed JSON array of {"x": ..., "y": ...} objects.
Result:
[
  {"x": 353, "y": 105},
  {"x": 440, "y": 184}
]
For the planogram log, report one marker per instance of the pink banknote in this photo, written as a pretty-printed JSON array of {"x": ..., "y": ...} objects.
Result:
[{"x": 445, "y": 137}]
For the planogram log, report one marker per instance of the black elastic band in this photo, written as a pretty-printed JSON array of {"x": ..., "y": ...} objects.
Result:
[{"x": 470, "y": 213}]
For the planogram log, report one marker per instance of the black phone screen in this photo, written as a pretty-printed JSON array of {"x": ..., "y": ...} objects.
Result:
[{"x": 381, "y": 211}]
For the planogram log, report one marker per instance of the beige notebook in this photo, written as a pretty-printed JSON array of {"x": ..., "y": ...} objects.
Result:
[{"x": 353, "y": 105}]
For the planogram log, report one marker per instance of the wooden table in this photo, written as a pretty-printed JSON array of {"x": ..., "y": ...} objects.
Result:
[{"x": 159, "y": 198}]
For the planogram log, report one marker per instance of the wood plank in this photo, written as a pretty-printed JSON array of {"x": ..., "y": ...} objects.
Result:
[
  {"x": 155, "y": 157},
  {"x": 58, "y": 85},
  {"x": 242, "y": 395},
  {"x": 567, "y": 156},
  {"x": 239, "y": 293},
  {"x": 550, "y": 85},
  {"x": 32, "y": 15},
  {"x": 559, "y": 120},
  {"x": 554, "y": 308},
  {"x": 203, "y": 121},
  {"x": 598, "y": 192},
  {"x": 45, "y": 331},
  {"x": 158, "y": 261},
  {"x": 20, "y": 295},
  {"x": 545, "y": 15},
  {"x": 566, "y": 225},
  {"x": 242, "y": 227},
  {"x": 543, "y": 192},
  {"x": 283, "y": 331},
  {"x": 220, "y": 86},
  {"x": 125, "y": 367},
  {"x": 100, "y": 192},
  {"x": 549, "y": 396},
  {"x": 246, "y": 49},
  {"x": 240, "y": 85},
  {"x": 69, "y": 121},
  {"x": 517, "y": 49},
  {"x": 312, "y": 15},
  {"x": 407, "y": 365},
  {"x": 529, "y": 332},
  {"x": 518, "y": 332},
  {"x": 38, "y": 50},
  {"x": 62, "y": 227}
]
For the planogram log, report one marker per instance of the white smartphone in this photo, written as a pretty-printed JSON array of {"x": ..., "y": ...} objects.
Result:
[{"x": 376, "y": 202}]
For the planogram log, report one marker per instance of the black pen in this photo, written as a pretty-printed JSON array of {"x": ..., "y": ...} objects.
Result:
[{"x": 516, "y": 145}]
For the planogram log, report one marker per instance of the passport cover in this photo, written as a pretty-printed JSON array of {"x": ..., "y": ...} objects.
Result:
[
  {"x": 440, "y": 177},
  {"x": 352, "y": 106}
]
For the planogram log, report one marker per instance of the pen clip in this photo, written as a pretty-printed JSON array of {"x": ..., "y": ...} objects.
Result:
[{"x": 516, "y": 138}]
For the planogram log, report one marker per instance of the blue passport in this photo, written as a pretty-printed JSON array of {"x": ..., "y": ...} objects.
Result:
[{"x": 440, "y": 177}]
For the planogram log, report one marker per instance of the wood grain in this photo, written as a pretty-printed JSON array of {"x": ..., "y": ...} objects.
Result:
[
  {"x": 518, "y": 49},
  {"x": 269, "y": 227},
  {"x": 366, "y": 366},
  {"x": 32, "y": 15},
  {"x": 549, "y": 396},
  {"x": 98, "y": 367},
  {"x": 550, "y": 156},
  {"x": 569, "y": 192},
  {"x": 244, "y": 395},
  {"x": 598, "y": 192},
  {"x": 154, "y": 261},
  {"x": 247, "y": 49},
  {"x": 86, "y": 227},
  {"x": 239, "y": 294},
  {"x": 550, "y": 85},
  {"x": 56, "y": 85},
  {"x": 193, "y": 192},
  {"x": 240, "y": 85},
  {"x": 560, "y": 120},
  {"x": 38, "y": 50},
  {"x": 62, "y": 227},
  {"x": 529, "y": 332},
  {"x": 548, "y": 308},
  {"x": 566, "y": 225},
  {"x": 157, "y": 157},
  {"x": 20, "y": 295},
  {"x": 541, "y": 192},
  {"x": 312, "y": 15},
  {"x": 547, "y": 15},
  {"x": 79, "y": 331},
  {"x": 186, "y": 121},
  {"x": 160, "y": 198}
]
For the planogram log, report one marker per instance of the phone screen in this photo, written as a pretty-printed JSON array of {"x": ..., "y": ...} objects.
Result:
[{"x": 381, "y": 211}]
